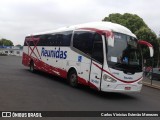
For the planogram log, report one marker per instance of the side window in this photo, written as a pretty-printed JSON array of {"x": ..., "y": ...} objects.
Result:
[
  {"x": 64, "y": 38},
  {"x": 67, "y": 38},
  {"x": 42, "y": 41},
  {"x": 97, "y": 53},
  {"x": 51, "y": 40},
  {"x": 37, "y": 36},
  {"x": 25, "y": 42},
  {"x": 83, "y": 41},
  {"x": 28, "y": 42},
  {"x": 57, "y": 39},
  {"x": 31, "y": 43},
  {"x": 46, "y": 40}
]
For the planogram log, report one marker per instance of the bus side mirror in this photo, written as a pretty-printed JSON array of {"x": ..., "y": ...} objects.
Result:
[
  {"x": 142, "y": 42},
  {"x": 110, "y": 37}
]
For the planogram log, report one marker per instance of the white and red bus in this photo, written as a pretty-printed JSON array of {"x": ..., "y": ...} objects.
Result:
[{"x": 102, "y": 55}]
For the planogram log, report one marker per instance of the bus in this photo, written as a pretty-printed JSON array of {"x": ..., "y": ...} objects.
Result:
[{"x": 102, "y": 55}]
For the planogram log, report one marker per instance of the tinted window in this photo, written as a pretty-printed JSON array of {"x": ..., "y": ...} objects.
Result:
[
  {"x": 64, "y": 38},
  {"x": 48, "y": 40},
  {"x": 83, "y": 41},
  {"x": 51, "y": 40},
  {"x": 25, "y": 44},
  {"x": 98, "y": 48},
  {"x": 58, "y": 39},
  {"x": 29, "y": 42},
  {"x": 42, "y": 41}
]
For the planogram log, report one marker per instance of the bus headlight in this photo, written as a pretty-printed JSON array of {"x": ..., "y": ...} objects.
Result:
[
  {"x": 105, "y": 77},
  {"x": 108, "y": 79}
]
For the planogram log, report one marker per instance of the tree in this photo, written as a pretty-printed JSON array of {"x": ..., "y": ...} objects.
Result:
[
  {"x": 139, "y": 28},
  {"x": 145, "y": 33},
  {"x": 131, "y": 21},
  {"x": 18, "y": 45},
  {"x": 5, "y": 42}
]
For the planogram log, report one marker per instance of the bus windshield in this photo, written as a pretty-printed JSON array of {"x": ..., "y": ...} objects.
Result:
[{"x": 125, "y": 55}]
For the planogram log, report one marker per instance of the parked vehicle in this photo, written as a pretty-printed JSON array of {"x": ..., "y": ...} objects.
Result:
[
  {"x": 154, "y": 74},
  {"x": 147, "y": 70}
]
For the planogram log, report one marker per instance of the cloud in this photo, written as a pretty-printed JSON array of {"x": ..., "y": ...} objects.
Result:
[{"x": 21, "y": 17}]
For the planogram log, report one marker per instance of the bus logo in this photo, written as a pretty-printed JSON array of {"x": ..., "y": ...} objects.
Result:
[
  {"x": 56, "y": 53},
  {"x": 79, "y": 58}
]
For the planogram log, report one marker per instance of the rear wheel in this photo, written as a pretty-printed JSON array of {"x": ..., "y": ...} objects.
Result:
[
  {"x": 73, "y": 78},
  {"x": 32, "y": 66}
]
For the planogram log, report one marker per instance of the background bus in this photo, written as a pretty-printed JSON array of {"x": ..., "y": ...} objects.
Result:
[{"x": 102, "y": 55}]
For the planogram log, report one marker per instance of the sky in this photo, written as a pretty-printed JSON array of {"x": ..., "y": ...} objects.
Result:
[{"x": 19, "y": 18}]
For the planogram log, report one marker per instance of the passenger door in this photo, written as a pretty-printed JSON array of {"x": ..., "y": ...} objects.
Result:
[{"x": 96, "y": 63}]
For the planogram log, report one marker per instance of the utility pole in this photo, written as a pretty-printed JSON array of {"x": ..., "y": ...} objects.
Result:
[{"x": 158, "y": 64}]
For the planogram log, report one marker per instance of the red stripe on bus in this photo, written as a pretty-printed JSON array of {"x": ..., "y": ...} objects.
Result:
[{"x": 40, "y": 65}]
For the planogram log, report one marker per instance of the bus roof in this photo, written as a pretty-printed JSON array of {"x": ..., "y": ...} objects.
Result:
[{"x": 97, "y": 25}]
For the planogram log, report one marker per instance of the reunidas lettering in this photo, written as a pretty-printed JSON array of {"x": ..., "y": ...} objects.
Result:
[{"x": 57, "y": 53}]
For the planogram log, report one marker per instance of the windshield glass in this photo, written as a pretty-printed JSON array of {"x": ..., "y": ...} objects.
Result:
[{"x": 125, "y": 55}]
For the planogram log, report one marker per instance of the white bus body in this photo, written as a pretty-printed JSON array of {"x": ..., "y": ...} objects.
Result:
[{"x": 102, "y": 55}]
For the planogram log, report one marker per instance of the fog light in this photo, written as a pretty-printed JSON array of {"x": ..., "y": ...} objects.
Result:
[{"x": 105, "y": 77}]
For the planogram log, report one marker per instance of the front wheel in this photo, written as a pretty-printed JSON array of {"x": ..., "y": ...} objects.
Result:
[{"x": 73, "y": 78}]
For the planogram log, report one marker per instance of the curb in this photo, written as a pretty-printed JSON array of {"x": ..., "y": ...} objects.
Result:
[{"x": 153, "y": 86}]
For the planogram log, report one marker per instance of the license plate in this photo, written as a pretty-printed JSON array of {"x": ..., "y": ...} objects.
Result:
[{"x": 127, "y": 88}]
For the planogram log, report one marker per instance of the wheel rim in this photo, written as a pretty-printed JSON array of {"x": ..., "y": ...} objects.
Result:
[{"x": 73, "y": 79}]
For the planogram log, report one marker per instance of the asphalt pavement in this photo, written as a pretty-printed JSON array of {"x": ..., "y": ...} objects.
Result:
[{"x": 21, "y": 90}]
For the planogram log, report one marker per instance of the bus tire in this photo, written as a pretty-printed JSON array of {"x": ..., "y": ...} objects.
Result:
[
  {"x": 73, "y": 78},
  {"x": 31, "y": 67}
]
